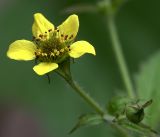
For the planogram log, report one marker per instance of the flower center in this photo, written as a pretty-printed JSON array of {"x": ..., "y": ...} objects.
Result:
[{"x": 51, "y": 47}]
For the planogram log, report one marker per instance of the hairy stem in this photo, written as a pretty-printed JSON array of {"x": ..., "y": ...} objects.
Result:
[
  {"x": 67, "y": 76},
  {"x": 118, "y": 51},
  {"x": 86, "y": 96}
]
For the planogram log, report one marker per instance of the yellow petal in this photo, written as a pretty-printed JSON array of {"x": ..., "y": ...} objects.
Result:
[
  {"x": 41, "y": 26},
  {"x": 69, "y": 28},
  {"x": 22, "y": 50},
  {"x": 81, "y": 47},
  {"x": 44, "y": 68}
]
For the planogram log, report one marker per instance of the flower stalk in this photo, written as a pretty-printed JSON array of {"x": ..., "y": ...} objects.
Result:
[
  {"x": 118, "y": 50},
  {"x": 66, "y": 74},
  {"x": 86, "y": 96}
]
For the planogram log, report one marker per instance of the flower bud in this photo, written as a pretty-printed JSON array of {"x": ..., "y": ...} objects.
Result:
[{"x": 134, "y": 114}]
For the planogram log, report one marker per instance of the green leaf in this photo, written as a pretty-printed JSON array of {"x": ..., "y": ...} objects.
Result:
[
  {"x": 88, "y": 120},
  {"x": 137, "y": 128},
  {"x": 148, "y": 87},
  {"x": 64, "y": 69}
]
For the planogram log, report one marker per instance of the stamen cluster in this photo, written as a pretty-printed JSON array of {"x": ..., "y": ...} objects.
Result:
[{"x": 52, "y": 46}]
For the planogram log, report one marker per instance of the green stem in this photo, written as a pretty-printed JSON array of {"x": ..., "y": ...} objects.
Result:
[
  {"x": 85, "y": 96},
  {"x": 118, "y": 52},
  {"x": 64, "y": 71}
]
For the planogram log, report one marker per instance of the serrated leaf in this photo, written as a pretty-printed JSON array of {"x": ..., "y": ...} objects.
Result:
[
  {"x": 148, "y": 87},
  {"x": 88, "y": 120}
]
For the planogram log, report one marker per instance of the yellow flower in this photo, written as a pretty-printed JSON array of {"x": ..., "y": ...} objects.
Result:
[{"x": 50, "y": 45}]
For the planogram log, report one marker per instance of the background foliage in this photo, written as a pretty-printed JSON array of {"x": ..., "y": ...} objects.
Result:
[{"x": 139, "y": 29}]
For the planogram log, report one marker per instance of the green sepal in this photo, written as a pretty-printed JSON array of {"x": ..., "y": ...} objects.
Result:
[
  {"x": 116, "y": 106},
  {"x": 64, "y": 69}
]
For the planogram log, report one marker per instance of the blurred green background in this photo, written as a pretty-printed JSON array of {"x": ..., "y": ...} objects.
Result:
[{"x": 139, "y": 31}]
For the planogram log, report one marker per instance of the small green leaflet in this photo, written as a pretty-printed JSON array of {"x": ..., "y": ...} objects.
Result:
[
  {"x": 140, "y": 128},
  {"x": 88, "y": 120}
]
